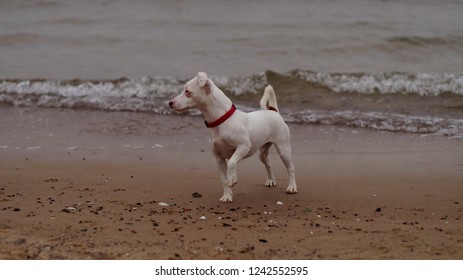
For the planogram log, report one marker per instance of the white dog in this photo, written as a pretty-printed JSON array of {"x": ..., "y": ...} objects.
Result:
[{"x": 236, "y": 135}]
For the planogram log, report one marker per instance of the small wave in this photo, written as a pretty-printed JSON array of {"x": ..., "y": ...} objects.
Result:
[
  {"x": 382, "y": 121},
  {"x": 18, "y": 38},
  {"x": 419, "y": 41},
  {"x": 404, "y": 110},
  {"x": 387, "y": 83},
  {"x": 146, "y": 94}
]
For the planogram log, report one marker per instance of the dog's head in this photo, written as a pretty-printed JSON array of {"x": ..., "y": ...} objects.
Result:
[{"x": 195, "y": 94}]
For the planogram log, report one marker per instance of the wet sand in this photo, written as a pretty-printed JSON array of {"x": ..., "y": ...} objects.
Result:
[{"x": 87, "y": 185}]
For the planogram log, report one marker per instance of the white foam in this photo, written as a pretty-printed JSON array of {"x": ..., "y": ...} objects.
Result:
[
  {"x": 384, "y": 121},
  {"x": 388, "y": 83},
  {"x": 157, "y": 146},
  {"x": 149, "y": 94},
  {"x": 132, "y": 95},
  {"x": 33, "y": 148}
]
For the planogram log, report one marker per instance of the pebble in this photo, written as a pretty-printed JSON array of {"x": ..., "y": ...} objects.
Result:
[
  {"x": 69, "y": 209},
  {"x": 279, "y": 203},
  {"x": 203, "y": 218},
  {"x": 163, "y": 204},
  {"x": 196, "y": 195},
  {"x": 247, "y": 249}
]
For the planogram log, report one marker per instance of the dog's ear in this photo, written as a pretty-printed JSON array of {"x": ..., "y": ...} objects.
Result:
[
  {"x": 203, "y": 82},
  {"x": 202, "y": 79}
]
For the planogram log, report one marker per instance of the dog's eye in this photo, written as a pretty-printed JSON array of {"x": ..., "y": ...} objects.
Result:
[{"x": 187, "y": 93}]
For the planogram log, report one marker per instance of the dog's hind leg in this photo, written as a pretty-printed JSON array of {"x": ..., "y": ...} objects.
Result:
[
  {"x": 264, "y": 158},
  {"x": 284, "y": 150}
]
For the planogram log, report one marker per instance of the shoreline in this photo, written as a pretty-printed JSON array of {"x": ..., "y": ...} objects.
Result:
[{"x": 87, "y": 185}]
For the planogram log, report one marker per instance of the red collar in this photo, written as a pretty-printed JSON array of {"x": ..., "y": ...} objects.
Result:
[{"x": 222, "y": 119}]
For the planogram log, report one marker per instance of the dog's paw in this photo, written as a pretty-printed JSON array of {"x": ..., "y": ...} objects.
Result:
[
  {"x": 291, "y": 189},
  {"x": 226, "y": 199},
  {"x": 232, "y": 182},
  {"x": 270, "y": 183},
  {"x": 232, "y": 179}
]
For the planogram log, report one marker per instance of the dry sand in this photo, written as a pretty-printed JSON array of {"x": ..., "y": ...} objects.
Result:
[{"x": 87, "y": 185}]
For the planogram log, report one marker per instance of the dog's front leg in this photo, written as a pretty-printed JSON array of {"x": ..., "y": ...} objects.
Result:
[
  {"x": 240, "y": 153},
  {"x": 222, "y": 167}
]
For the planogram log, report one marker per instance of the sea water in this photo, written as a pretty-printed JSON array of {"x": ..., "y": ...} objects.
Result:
[{"x": 383, "y": 65}]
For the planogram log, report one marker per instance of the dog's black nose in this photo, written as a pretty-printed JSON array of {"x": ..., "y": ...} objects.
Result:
[{"x": 171, "y": 103}]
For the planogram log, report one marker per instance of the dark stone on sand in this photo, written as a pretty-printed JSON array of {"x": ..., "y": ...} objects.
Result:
[
  {"x": 196, "y": 195},
  {"x": 20, "y": 241},
  {"x": 247, "y": 249}
]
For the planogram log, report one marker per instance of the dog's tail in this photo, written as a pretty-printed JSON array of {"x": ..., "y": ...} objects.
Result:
[{"x": 269, "y": 95}]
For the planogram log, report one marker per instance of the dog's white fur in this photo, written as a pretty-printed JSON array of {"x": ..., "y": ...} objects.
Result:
[{"x": 242, "y": 134}]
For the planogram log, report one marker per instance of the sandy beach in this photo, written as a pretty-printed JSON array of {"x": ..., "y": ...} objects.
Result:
[
  {"x": 95, "y": 165},
  {"x": 88, "y": 185}
]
